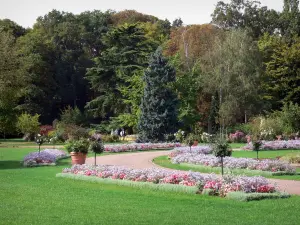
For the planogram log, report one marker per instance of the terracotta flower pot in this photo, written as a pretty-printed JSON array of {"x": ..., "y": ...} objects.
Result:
[
  {"x": 195, "y": 143},
  {"x": 78, "y": 158}
]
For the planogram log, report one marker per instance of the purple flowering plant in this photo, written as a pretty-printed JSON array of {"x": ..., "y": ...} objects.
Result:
[
  {"x": 44, "y": 157},
  {"x": 220, "y": 185}
]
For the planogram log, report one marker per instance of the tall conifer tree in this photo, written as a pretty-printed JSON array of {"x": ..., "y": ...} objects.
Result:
[{"x": 159, "y": 103}]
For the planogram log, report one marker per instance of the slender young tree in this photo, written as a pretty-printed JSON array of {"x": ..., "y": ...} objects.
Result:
[
  {"x": 159, "y": 102},
  {"x": 213, "y": 114}
]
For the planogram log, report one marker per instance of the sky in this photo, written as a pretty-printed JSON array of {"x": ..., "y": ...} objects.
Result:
[{"x": 25, "y": 12}]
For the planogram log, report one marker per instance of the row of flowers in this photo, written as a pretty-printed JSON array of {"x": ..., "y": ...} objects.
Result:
[
  {"x": 45, "y": 157},
  {"x": 220, "y": 186},
  {"x": 275, "y": 145},
  {"x": 272, "y": 165},
  {"x": 139, "y": 147},
  {"x": 202, "y": 149}
]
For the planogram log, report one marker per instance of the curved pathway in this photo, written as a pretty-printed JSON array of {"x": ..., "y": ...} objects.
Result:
[{"x": 141, "y": 160}]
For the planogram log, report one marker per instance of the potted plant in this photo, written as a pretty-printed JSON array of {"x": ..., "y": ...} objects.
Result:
[
  {"x": 96, "y": 145},
  {"x": 78, "y": 150}
]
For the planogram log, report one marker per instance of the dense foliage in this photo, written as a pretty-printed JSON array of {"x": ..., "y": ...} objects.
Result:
[
  {"x": 159, "y": 103},
  {"x": 92, "y": 70}
]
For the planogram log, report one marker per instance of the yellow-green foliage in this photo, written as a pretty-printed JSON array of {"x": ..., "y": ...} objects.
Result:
[{"x": 28, "y": 124}]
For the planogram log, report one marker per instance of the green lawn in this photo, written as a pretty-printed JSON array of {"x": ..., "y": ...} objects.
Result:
[
  {"x": 237, "y": 145},
  {"x": 263, "y": 154},
  {"x": 165, "y": 162},
  {"x": 36, "y": 196}
]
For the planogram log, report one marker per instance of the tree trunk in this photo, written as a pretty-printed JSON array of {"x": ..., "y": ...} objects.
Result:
[{"x": 222, "y": 166}]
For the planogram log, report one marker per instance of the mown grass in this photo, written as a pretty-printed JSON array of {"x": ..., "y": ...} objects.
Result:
[
  {"x": 270, "y": 154},
  {"x": 237, "y": 145},
  {"x": 36, "y": 196},
  {"x": 163, "y": 161}
]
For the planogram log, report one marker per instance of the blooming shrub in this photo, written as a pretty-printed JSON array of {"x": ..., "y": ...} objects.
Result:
[
  {"x": 206, "y": 137},
  {"x": 139, "y": 147},
  {"x": 220, "y": 185},
  {"x": 291, "y": 158},
  {"x": 234, "y": 163},
  {"x": 237, "y": 137},
  {"x": 45, "y": 129},
  {"x": 275, "y": 145},
  {"x": 44, "y": 158},
  {"x": 203, "y": 149}
]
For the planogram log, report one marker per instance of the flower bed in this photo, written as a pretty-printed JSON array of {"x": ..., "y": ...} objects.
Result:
[
  {"x": 211, "y": 183},
  {"x": 276, "y": 145},
  {"x": 139, "y": 147},
  {"x": 47, "y": 157},
  {"x": 274, "y": 166},
  {"x": 204, "y": 149}
]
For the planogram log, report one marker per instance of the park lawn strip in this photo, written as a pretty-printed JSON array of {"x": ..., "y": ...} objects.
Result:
[
  {"x": 163, "y": 161},
  {"x": 237, "y": 145},
  {"x": 138, "y": 185},
  {"x": 36, "y": 196},
  {"x": 263, "y": 154},
  {"x": 238, "y": 196},
  {"x": 246, "y": 197}
]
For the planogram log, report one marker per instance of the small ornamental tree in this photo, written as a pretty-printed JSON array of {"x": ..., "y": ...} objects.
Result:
[
  {"x": 190, "y": 140},
  {"x": 28, "y": 124},
  {"x": 39, "y": 140},
  {"x": 256, "y": 146},
  {"x": 221, "y": 149},
  {"x": 96, "y": 145},
  {"x": 159, "y": 102},
  {"x": 213, "y": 115}
]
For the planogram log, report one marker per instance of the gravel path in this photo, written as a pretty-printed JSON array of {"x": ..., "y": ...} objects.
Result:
[{"x": 144, "y": 160}]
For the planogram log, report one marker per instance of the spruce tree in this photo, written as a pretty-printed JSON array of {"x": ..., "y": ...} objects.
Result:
[{"x": 159, "y": 103}]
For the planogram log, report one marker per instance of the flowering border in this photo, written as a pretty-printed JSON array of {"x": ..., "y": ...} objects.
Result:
[
  {"x": 139, "y": 147},
  {"x": 275, "y": 145},
  {"x": 206, "y": 183},
  {"x": 238, "y": 196},
  {"x": 275, "y": 167},
  {"x": 47, "y": 157}
]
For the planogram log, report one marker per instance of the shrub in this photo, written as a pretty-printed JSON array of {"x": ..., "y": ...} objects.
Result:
[
  {"x": 206, "y": 137},
  {"x": 190, "y": 139},
  {"x": 77, "y": 146},
  {"x": 45, "y": 129},
  {"x": 73, "y": 132},
  {"x": 221, "y": 148},
  {"x": 179, "y": 136},
  {"x": 237, "y": 137},
  {"x": 73, "y": 116},
  {"x": 28, "y": 125},
  {"x": 291, "y": 158},
  {"x": 169, "y": 137},
  {"x": 110, "y": 138}
]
